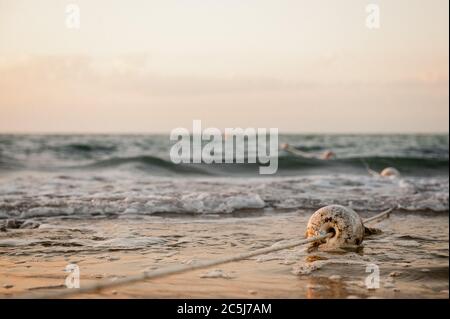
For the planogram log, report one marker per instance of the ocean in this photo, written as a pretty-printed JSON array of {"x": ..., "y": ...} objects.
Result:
[
  {"x": 129, "y": 175},
  {"x": 115, "y": 205}
]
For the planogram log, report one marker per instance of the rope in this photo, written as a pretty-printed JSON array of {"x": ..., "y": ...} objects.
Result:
[
  {"x": 297, "y": 152},
  {"x": 379, "y": 216},
  {"x": 369, "y": 170},
  {"x": 178, "y": 269}
]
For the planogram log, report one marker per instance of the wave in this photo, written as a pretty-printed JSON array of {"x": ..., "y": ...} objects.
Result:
[
  {"x": 127, "y": 195},
  {"x": 8, "y": 163},
  {"x": 84, "y": 148},
  {"x": 151, "y": 163},
  {"x": 403, "y": 163},
  {"x": 286, "y": 164}
]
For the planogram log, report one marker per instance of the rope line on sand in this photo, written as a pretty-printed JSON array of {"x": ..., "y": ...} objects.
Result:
[
  {"x": 382, "y": 215},
  {"x": 177, "y": 269}
]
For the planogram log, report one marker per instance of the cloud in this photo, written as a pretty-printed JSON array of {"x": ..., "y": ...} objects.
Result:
[{"x": 126, "y": 94}]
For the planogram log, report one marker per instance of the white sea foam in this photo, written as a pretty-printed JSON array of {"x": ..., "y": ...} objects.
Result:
[{"x": 49, "y": 195}]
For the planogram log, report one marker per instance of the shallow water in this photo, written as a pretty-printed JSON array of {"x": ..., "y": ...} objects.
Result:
[
  {"x": 411, "y": 254},
  {"x": 27, "y": 195}
]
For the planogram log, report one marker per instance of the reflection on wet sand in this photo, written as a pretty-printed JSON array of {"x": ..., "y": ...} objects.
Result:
[{"x": 411, "y": 253}]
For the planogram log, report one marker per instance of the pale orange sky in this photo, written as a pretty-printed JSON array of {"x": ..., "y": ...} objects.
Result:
[{"x": 150, "y": 66}]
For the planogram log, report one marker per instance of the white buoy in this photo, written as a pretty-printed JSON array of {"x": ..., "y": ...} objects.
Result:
[
  {"x": 343, "y": 222},
  {"x": 390, "y": 171},
  {"x": 328, "y": 155}
]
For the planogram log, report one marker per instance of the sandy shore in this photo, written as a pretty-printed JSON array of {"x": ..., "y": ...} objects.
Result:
[{"x": 411, "y": 253}]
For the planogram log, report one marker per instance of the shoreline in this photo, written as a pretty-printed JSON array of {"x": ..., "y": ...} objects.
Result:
[{"x": 106, "y": 249}]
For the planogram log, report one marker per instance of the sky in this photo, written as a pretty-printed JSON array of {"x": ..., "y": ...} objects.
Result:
[{"x": 148, "y": 66}]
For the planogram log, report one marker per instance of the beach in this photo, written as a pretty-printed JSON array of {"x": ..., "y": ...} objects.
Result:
[
  {"x": 114, "y": 206},
  {"x": 413, "y": 259}
]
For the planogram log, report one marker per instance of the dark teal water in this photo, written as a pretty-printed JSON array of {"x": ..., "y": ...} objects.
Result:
[{"x": 415, "y": 155}]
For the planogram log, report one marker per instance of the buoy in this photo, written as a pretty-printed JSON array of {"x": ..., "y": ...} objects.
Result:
[
  {"x": 328, "y": 155},
  {"x": 344, "y": 223},
  {"x": 390, "y": 171}
]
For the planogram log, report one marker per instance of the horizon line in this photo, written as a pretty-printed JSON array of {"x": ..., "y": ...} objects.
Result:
[{"x": 168, "y": 133}]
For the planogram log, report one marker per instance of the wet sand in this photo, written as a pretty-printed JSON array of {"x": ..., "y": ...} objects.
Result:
[{"x": 411, "y": 253}]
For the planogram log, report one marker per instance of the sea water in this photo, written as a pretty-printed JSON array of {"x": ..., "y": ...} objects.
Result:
[{"x": 116, "y": 204}]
